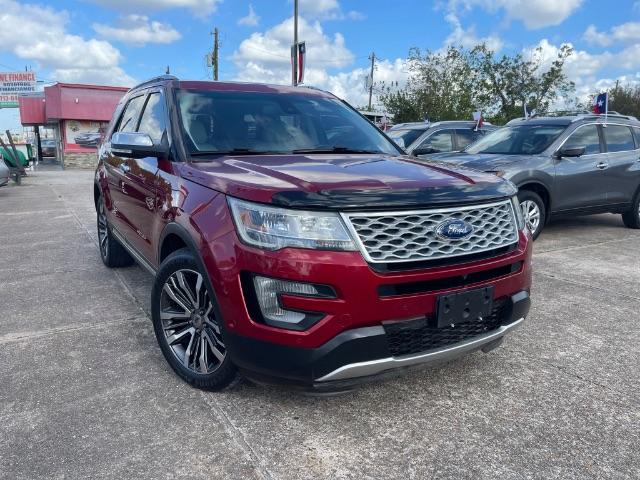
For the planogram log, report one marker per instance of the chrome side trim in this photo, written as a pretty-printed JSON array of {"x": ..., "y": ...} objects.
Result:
[
  {"x": 133, "y": 252},
  {"x": 373, "y": 367}
]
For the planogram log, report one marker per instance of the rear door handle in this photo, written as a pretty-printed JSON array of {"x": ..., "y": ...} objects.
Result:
[
  {"x": 124, "y": 168},
  {"x": 602, "y": 165}
]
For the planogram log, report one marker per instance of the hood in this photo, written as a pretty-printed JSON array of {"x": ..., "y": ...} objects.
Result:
[
  {"x": 480, "y": 161},
  {"x": 338, "y": 182}
]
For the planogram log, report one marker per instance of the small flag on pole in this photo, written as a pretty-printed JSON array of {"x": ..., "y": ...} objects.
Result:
[
  {"x": 601, "y": 105},
  {"x": 298, "y": 53}
]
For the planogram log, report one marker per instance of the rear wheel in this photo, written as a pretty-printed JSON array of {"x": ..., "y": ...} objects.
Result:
[
  {"x": 187, "y": 328},
  {"x": 533, "y": 210},
  {"x": 631, "y": 217},
  {"x": 112, "y": 253}
]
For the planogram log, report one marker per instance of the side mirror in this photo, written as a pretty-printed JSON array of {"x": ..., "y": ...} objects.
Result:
[
  {"x": 135, "y": 145},
  {"x": 427, "y": 150},
  {"x": 571, "y": 152}
]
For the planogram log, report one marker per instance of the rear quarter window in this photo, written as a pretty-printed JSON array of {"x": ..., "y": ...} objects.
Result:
[{"x": 619, "y": 138}]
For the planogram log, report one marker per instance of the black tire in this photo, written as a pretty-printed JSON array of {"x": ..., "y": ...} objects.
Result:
[
  {"x": 112, "y": 252},
  {"x": 527, "y": 199},
  {"x": 631, "y": 218},
  {"x": 199, "y": 326}
]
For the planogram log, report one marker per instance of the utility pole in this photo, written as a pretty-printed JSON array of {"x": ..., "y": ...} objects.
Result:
[
  {"x": 295, "y": 42},
  {"x": 214, "y": 57},
  {"x": 373, "y": 65}
]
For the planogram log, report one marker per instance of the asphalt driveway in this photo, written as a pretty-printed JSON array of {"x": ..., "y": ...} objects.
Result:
[{"x": 85, "y": 392}]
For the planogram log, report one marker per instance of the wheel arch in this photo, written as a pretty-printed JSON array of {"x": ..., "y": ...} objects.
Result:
[{"x": 542, "y": 190}]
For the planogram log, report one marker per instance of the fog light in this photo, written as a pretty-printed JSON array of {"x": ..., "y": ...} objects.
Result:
[{"x": 268, "y": 292}]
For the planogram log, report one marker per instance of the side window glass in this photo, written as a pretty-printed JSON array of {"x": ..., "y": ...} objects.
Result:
[
  {"x": 586, "y": 137},
  {"x": 130, "y": 115},
  {"x": 619, "y": 138},
  {"x": 440, "y": 141},
  {"x": 467, "y": 136},
  {"x": 152, "y": 121}
]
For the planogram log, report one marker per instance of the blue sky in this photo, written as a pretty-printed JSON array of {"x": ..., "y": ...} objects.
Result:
[{"x": 120, "y": 42}]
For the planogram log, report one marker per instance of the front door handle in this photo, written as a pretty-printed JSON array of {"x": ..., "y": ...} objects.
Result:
[{"x": 602, "y": 165}]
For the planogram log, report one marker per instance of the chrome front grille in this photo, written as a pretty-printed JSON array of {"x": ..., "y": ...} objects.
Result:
[{"x": 391, "y": 237}]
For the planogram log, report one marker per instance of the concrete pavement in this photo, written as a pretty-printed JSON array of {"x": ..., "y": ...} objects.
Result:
[{"x": 85, "y": 392}]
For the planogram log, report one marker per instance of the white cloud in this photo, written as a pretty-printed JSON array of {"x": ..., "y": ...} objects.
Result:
[
  {"x": 70, "y": 57},
  {"x": 251, "y": 20},
  {"x": 467, "y": 38},
  {"x": 200, "y": 8},
  {"x": 265, "y": 57},
  {"x": 138, "y": 30},
  {"x": 271, "y": 49},
  {"x": 326, "y": 10},
  {"x": 533, "y": 13},
  {"x": 625, "y": 33}
]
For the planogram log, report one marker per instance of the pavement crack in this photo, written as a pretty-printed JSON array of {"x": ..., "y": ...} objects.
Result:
[
  {"x": 582, "y": 284},
  {"x": 20, "y": 336},
  {"x": 237, "y": 436}
]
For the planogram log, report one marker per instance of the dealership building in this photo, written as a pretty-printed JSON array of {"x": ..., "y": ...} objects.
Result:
[{"x": 77, "y": 113}]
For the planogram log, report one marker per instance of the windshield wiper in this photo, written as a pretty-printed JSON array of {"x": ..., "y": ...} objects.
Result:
[
  {"x": 334, "y": 150},
  {"x": 235, "y": 151}
]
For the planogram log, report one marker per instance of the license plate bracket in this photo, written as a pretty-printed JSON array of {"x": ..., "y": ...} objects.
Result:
[{"x": 465, "y": 306}]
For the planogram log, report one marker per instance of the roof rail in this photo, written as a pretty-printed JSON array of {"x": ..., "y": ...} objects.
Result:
[
  {"x": 155, "y": 80},
  {"x": 612, "y": 114}
]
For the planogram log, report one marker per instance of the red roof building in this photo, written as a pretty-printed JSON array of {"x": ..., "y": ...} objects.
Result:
[{"x": 78, "y": 113}]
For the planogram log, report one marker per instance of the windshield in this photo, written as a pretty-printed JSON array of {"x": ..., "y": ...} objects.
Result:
[
  {"x": 518, "y": 140},
  {"x": 251, "y": 122},
  {"x": 408, "y": 136}
]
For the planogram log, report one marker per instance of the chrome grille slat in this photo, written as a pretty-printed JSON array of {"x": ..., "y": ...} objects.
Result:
[{"x": 390, "y": 237}]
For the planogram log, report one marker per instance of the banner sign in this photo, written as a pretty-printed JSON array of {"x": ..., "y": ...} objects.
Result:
[{"x": 13, "y": 84}]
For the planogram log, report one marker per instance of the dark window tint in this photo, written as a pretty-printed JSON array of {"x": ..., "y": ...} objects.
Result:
[
  {"x": 587, "y": 137},
  {"x": 619, "y": 138},
  {"x": 153, "y": 121},
  {"x": 226, "y": 122},
  {"x": 407, "y": 135},
  {"x": 517, "y": 140},
  {"x": 467, "y": 137},
  {"x": 440, "y": 141},
  {"x": 636, "y": 133},
  {"x": 128, "y": 122}
]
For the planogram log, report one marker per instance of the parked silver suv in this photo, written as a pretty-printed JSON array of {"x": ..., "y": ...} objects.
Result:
[
  {"x": 567, "y": 165},
  {"x": 422, "y": 139}
]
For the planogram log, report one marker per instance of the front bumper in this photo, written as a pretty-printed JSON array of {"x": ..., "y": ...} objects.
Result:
[{"x": 358, "y": 355}]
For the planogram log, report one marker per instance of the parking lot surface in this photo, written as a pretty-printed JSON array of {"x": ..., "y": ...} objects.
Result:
[{"x": 86, "y": 393}]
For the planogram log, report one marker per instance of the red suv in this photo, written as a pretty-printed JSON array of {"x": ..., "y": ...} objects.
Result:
[{"x": 293, "y": 242}]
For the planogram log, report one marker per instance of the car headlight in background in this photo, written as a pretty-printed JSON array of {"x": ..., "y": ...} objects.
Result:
[
  {"x": 273, "y": 228},
  {"x": 517, "y": 209}
]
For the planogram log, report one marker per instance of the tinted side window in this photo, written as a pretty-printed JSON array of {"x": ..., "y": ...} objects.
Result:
[
  {"x": 153, "y": 119},
  {"x": 440, "y": 141},
  {"x": 619, "y": 138},
  {"x": 467, "y": 136},
  {"x": 130, "y": 115},
  {"x": 586, "y": 137}
]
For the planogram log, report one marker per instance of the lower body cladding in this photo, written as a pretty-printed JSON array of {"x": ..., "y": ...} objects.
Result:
[{"x": 364, "y": 354}]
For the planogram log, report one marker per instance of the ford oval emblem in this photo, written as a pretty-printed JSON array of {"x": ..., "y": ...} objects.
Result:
[{"x": 454, "y": 229}]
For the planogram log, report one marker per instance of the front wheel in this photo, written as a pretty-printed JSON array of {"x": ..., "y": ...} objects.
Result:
[
  {"x": 187, "y": 328},
  {"x": 631, "y": 217},
  {"x": 533, "y": 210}
]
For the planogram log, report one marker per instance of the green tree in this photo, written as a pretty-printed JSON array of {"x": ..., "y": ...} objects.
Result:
[
  {"x": 508, "y": 83},
  {"x": 451, "y": 85},
  {"x": 625, "y": 99}
]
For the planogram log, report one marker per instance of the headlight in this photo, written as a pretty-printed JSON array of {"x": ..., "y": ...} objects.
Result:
[
  {"x": 273, "y": 228},
  {"x": 517, "y": 209}
]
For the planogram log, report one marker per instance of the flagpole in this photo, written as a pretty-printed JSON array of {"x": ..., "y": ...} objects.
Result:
[{"x": 606, "y": 106}]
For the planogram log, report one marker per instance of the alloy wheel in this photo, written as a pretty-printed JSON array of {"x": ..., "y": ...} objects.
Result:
[
  {"x": 103, "y": 233},
  {"x": 188, "y": 321},
  {"x": 531, "y": 213}
]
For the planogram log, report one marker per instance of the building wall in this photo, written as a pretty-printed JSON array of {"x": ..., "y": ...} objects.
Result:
[
  {"x": 80, "y": 160},
  {"x": 66, "y": 101}
]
